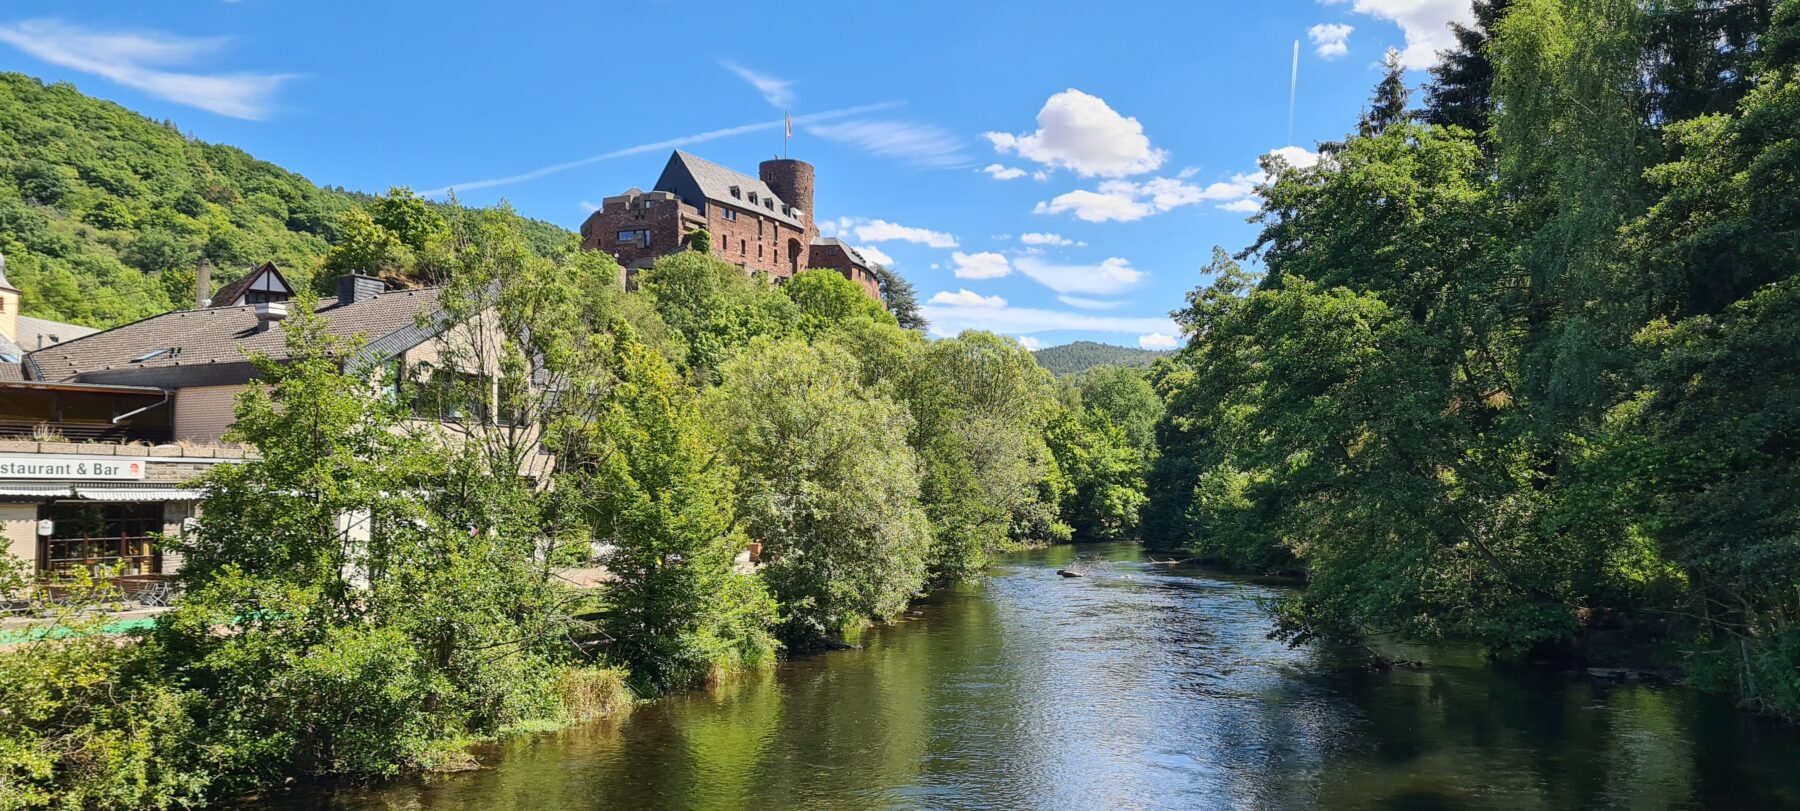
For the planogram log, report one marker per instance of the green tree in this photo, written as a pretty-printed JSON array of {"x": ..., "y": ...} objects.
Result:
[
  {"x": 827, "y": 483},
  {"x": 365, "y": 246},
  {"x": 826, "y": 299},
  {"x": 1461, "y": 91},
  {"x": 711, "y": 305},
  {"x": 700, "y": 241},
  {"x": 1388, "y": 104},
  {"x": 980, "y": 404},
  {"x": 900, "y": 297},
  {"x": 676, "y": 611}
]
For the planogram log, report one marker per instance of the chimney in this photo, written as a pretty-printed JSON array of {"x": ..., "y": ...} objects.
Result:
[
  {"x": 269, "y": 312},
  {"x": 203, "y": 284},
  {"x": 355, "y": 287}
]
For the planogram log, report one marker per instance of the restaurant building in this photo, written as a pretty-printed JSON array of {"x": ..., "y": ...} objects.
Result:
[{"x": 103, "y": 432}]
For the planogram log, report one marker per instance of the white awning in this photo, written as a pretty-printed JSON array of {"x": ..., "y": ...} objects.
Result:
[
  {"x": 34, "y": 490},
  {"x": 135, "y": 491}
]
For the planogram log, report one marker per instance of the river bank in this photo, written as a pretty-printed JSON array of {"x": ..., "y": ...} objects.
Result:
[{"x": 1132, "y": 687}]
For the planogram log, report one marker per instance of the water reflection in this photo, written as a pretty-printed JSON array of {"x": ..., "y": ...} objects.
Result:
[{"x": 1134, "y": 687}]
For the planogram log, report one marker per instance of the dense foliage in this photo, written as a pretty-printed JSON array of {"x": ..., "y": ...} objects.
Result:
[
  {"x": 375, "y": 589},
  {"x": 1080, "y": 356},
  {"x": 105, "y": 214},
  {"x": 1528, "y": 385}
]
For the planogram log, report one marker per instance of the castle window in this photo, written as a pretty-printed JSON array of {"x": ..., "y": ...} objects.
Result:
[
  {"x": 769, "y": 204},
  {"x": 641, "y": 237},
  {"x": 743, "y": 247},
  {"x": 734, "y": 192},
  {"x": 759, "y": 251},
  {"x": 730, "y": 214},
  {"x": 753, "y": 197}
]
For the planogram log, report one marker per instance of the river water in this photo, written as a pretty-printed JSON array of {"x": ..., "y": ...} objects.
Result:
[{"x": 1135, "y": 687}]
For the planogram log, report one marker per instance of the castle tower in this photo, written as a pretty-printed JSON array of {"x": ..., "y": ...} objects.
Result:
[{"x": 792, "y": 181}]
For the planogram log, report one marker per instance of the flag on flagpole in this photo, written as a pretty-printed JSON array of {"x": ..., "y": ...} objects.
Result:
[{"x": 789, "y": 117}]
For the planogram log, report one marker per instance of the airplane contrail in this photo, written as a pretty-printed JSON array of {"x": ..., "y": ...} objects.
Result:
[
  {"x": 1293, "y": 85},
  {"x": 657, "y": 146}
]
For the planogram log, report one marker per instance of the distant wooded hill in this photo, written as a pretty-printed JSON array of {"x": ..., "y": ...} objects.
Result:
[
  {"x": 1080, "y": 356},
  {"x": 105, "y": 213}
]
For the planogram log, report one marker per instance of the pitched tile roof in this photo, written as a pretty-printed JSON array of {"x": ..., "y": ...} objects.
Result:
[
  {"x": 37, "y": 333},
  {"x": 221, "y": 335},
  {"x": 715, "y": 182}
]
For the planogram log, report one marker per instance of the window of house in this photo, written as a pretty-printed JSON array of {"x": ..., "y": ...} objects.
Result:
[
  {"x": 734, "y": 192},
  {"x": 91, "y": 536},
  {"x": 753, "y": 198},
  {"x": 730, "y": 214},
  {"x": 391, "y": 373},
  {"x": 759, "y": 250},
  {"x": 769, "y": 204},
  {"x": 743, "y": 246},
  {"x": 449, "y": 395}
]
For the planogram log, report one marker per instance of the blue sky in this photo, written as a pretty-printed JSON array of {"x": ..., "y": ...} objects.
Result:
[{"x": 1052, "y": 171}]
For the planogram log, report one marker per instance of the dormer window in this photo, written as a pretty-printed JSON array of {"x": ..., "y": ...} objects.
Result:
[
  {"x": 753, "y": 198},
  {"x": 769, "y": 204},
  {"x": 735, "y": 193}
]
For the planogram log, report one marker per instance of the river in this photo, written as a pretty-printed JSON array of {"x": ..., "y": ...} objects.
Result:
[{"x": 1135, "y": 687}]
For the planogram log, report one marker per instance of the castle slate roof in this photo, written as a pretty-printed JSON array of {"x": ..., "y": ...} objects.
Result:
[
  {"x": 855, "y": 255},
  {"x": 220, "y": 336},
  {"x": 714, "y": 182}
]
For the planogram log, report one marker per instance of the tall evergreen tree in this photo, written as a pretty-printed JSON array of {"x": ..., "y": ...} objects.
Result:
[
  {"x": 1461, "y": 91},
  {"x": 1388, "y": 105},
  {"x": 901, "y": 299}
]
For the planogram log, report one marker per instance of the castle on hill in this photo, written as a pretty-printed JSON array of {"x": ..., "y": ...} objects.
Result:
[{"x": 762, "y": 224}]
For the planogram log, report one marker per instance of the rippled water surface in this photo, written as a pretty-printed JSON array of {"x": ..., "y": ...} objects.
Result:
[{"x": 1134, "y": 687}]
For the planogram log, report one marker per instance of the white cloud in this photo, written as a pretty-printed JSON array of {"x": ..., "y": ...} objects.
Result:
[
  {"x": 1028, "y": 342},
  {"x": 984, "y": 265},
  {"x": 138, "y": 60},
  {"x": 866, "y": 230},
  {"x": 876, "y": 255},
  {"x": 1089, "y": 303},
  {"x": 966, "y": 298},
  {"x": 777, "y": 92},
  {"x": 1080, "y": 132},
  {"x": 1127, "y": 200},
  {"x": 587, "y": 207},
  {"x": 1156, "y": 340},
  {"x": 1096, "y": 207},
  {"x": 1111, "y": 276},
  {"x": 947, "y": 321},
  {"x": 1425, "y": 24},
  {"x": 1297, "y": 157},
  {"x": 1003, "y": 172},
  {"x": 1048, "y": 239},
  {"x": 925, "y": 145},
  {"x": 655, "y": 146},
  {"x": 1331, "y": 39}
]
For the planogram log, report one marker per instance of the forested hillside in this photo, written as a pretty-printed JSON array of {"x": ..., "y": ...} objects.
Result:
[
  {"x": 1080, "y": 356},
  {"x": 104, "y": 213},
  {"x": 1522, "y": 365}
]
